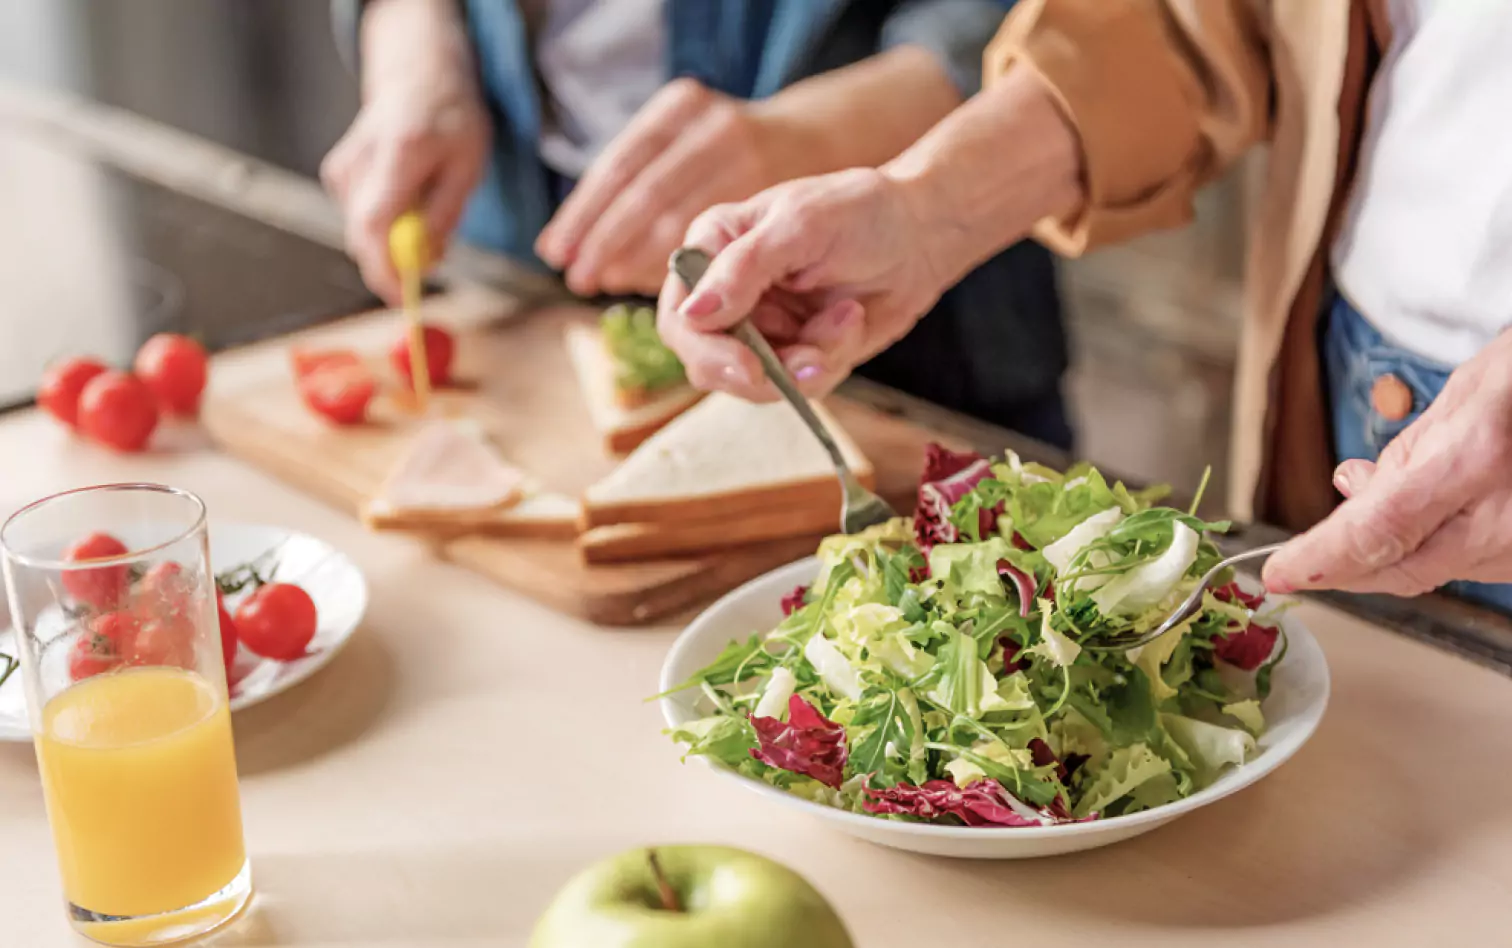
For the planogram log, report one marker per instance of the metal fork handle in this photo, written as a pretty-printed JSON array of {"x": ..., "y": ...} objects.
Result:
[{"x": 690, "y": 264}]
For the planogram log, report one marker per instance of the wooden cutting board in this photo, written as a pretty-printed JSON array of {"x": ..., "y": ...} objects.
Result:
[{"x": 515, "y": 379}]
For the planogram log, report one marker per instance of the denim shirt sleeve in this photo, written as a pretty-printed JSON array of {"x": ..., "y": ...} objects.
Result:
[{"x": 956, "y": 31}]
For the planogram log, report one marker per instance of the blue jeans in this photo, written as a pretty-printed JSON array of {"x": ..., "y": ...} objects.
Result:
[{"x": 1354, "y": 356}]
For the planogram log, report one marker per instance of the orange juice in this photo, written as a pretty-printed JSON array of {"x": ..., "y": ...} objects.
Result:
[{"x": 140, "y": 780}]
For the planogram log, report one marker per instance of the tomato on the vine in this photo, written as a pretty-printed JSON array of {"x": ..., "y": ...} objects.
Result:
[
  {"x": 89, "y": 657},
  {"x": 228, "y": 635},
  {"x": 62, "y": 382},
  {"x": 439, "y": 347},
  {"x": 101, "y": 587},
  {"x": 175, "y": 368},
  {"x": 164, "y": 589},
  {"x": 277, "y": 621},
  {"x": 168, "y": 640},
  {"x": 118, "y": 410}
]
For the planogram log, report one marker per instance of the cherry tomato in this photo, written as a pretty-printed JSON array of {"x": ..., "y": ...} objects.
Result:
[
  {"x": 61, "y": 384},
  {"x": 118, "y": 410},
  {"x": 165, "y": 641},
  {"x": 228, "y": 636},
  {"x": 340, "y": 394},
  {"x": 102, "y": 587},
  {"x": 175, "y": 368},
  {"x": 164, "y": 589},
  {"x": 277, "y": 621},
  {"x": 90, "y": 657},
  {"x": 439, "y": 346},
  {"x": 306, "y": 361},
  {"x": 114, "y": 632}
]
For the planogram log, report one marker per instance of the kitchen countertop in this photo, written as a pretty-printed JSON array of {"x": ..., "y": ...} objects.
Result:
[{"x": 409, "y": 794}]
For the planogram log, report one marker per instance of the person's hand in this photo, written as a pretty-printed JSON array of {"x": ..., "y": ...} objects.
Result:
[
  {"x": 419, "y": 142},
  {"x": 831, "y": 269},
  {"x": 1437, "y": 506},
  {"x": 688, "y": 149}
]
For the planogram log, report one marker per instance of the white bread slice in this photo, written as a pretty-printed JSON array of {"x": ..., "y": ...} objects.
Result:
[
  {"x": 621, "y": 542},
  {"x": 722, "y": 459},
  {"x": 621, "y": 427},
  {"x": 450, "y": 477}
]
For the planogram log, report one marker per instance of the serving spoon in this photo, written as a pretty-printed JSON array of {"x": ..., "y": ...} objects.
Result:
[
  {"x": 860, "y": 507},
  {"x": 1188, "y": 608}
]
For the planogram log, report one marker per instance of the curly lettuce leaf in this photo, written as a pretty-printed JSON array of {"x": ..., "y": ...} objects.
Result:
[
  {"x": 1126, "y": 769},
  {"x": 642, "y": 362}
]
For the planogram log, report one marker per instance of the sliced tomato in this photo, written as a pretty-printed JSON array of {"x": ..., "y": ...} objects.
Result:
[
  {"x": 341, "y": 395},
  {"x": 306, "y": 361},
  {"x": 334, "y": 383},
  {"x": 439, "y": 346}
]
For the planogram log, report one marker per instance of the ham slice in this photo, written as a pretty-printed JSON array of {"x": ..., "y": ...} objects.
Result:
[{"x": 450, "y": 470}]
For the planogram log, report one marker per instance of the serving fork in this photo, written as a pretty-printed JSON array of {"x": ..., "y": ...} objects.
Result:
[{"x": 860, "y": 508}]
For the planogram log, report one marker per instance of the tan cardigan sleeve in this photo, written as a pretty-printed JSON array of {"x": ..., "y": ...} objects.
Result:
[{"x": 1164, "y": 94}]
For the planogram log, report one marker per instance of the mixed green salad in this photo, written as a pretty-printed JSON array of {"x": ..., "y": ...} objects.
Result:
[
  {"x": 945, "y": 668},
  {"x": 642, "y": 362}
]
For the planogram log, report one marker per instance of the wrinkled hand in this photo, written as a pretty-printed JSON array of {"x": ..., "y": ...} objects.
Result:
[
  {"x": 1436, "y": 507},
  {"x": 420, "y": 141},
  {"x": 831, "y": 269},
  {"x": 688, "y": 149}
]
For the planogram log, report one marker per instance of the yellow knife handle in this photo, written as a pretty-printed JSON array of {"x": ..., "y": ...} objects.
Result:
[{"x": 409, "y": 247}]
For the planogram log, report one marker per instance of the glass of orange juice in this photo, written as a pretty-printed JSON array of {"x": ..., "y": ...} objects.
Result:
[{"x": 115, "y": 611}]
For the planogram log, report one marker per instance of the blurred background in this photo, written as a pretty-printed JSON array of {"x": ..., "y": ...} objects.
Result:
[{"x": 1154, "y": 324}]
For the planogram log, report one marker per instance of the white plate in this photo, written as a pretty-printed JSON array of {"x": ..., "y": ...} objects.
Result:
[
  {"x": 1293, "y": 710},
  {"x": 331, "y": 579}
]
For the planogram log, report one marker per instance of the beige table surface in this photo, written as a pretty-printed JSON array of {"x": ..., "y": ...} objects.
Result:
[{"x": 471, "y": 750}]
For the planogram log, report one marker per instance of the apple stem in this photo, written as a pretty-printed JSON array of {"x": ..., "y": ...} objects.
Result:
[{"x": 663, "y": 887}]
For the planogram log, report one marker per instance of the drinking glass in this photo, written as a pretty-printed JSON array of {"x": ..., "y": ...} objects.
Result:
[{"x": 116, "y": 620}]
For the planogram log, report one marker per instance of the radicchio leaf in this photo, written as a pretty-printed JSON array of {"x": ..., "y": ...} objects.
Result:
[
  {"x": 793, "y": 601},
  {"x": 807, "y": 743},
  {"x": 1011, "y": 661},
  {"x": 1023, "y": 584},
  {"x": 1231, "y": 592},
  {"x": 983, "y": 803},
  {"x": 1249, "y": 649},
  {"x": 1043, "y": 756},
  {"x": 948, "y": 476}
]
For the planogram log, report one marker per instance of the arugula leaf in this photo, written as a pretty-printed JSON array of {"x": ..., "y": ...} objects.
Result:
[
  {"x": 1263, "y": 674},
  {"x": 883, "y": 721},
  {"x": 738, "y": 662},
  {"x": 726, "y": 739}
]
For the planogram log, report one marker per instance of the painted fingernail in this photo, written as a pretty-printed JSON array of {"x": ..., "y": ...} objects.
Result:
[
  {"x": 734, "y": 375},
  {"x": 805, "y": 373},
  {"x": 700, "y": 304}
]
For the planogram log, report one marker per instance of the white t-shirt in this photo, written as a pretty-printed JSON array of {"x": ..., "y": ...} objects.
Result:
[
  {"x": 599, "y": 61},
  {"x": 1425, "y": 252}
]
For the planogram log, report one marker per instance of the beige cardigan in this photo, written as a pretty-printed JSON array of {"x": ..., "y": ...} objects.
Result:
[{"x": 1165, "y": 94}]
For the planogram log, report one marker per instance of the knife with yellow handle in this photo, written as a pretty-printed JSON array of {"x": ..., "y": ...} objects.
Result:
[{"x": 409, "y": 247}]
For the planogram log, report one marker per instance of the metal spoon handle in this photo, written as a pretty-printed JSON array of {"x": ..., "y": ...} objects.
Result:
[{"x": 690, "y": 264}]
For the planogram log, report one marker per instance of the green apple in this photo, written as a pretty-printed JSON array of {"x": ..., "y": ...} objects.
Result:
[{"x": 689, "y": 897}]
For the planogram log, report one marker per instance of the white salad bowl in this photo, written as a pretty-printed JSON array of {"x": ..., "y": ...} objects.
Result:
[{"x": 1298, "y": 698}]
